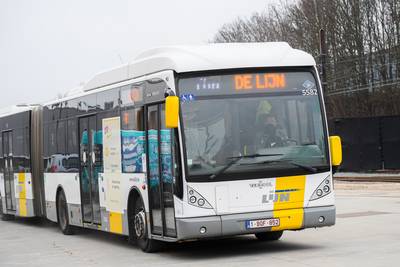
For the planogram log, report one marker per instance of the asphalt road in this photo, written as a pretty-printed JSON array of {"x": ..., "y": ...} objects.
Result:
[{"x": 367, "y": 233}]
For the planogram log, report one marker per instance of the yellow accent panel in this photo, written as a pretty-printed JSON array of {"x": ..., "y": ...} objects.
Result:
[
  {"x": 289, "y": 219},
  {"x": 22, "y": 195},
  {"x": 289, "y": 202},
  {"x": 171, "y": 111},
  {"x": 116, "y": 222},
  {"x": 335, "y": 145},
  {"x": 22, "y": 208},
  {"x": 290, "y": 199}
]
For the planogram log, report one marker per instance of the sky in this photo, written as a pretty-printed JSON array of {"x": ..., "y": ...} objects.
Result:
[{"x": 49, "y": 47}]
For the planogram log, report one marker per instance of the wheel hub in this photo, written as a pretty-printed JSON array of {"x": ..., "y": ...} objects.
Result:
[{"x": 140, "y": 224}]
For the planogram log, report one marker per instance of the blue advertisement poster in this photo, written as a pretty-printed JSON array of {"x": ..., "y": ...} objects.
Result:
[
  {"x": 166, "y": 156},
  {"x": 132, "y": 150},
  {"x": 153, "y": 157}
]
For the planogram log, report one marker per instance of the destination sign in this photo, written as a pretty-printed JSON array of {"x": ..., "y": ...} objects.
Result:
[
  {"x": 244, "y": 83},
  {"x": 259, "y": 81}
]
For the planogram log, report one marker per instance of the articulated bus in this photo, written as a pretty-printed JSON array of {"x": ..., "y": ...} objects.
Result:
[{"x": 183, "y": 143}]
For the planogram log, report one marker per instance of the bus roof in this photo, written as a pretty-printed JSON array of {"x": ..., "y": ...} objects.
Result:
[
  {"x": 11, "y": 110},
  {"x": 204, "y": 57}
]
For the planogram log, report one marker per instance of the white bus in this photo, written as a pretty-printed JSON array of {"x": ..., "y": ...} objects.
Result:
[{"x": 183, "y": 143}]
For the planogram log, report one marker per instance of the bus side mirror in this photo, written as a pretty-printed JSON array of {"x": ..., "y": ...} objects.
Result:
[
  {"x": 335, "y": 145},
  {"x": 171, "y": 111}
]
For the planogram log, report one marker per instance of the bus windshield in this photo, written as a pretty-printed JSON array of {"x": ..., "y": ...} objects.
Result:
[{"x": 252, "y": 125}]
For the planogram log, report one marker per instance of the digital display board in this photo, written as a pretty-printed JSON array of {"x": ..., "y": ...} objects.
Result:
[
  {"x": 244, "y": 83},
  {"x": 259, "y": 81}
]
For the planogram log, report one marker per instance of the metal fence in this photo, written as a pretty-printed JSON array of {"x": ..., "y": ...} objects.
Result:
[{"x": 368, "y": 143}]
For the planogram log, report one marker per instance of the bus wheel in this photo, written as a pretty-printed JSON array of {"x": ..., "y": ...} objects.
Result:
[
  {"x": 35, "y": 220},
  {"x": 62, "y": 214},
  {"x": 269, "y": 236},
  {"x": 4, "y": 217},
  {"x": 7, "y": 217},
  {"x": 140, "y": 229}
]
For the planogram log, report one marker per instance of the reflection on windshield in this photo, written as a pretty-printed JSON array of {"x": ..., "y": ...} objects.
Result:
[{"x": 289, "y": 127}]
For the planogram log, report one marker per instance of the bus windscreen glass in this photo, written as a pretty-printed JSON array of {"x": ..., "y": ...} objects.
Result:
[{"x": 252, "y": 125}]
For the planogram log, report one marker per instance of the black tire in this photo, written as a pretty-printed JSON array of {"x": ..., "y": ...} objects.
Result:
[
  {"x": 62, "y": 214},
  {"x": 35, "y": 220},
  {"x": 7, "y": 217},
  {"x": 138, "y": 229},
  {"x": 269, "y": 236}
]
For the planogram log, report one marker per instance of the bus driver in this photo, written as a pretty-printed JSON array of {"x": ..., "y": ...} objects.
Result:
[{"x": 270, "y": 133}]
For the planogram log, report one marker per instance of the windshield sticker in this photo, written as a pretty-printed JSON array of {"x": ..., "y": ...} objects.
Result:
[
  {"x": 308, "y": 84},
  {"x": 208, "y": 83},
  {"x": 187, "y": 97}
]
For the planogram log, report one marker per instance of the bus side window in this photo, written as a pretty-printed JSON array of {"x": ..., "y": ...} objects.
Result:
[
  {"x": 132, "y": 139},
  {"x": 72, "y": 145},
  {"x": 170, "y": 164},
  {"x": 1, "y": 148},
  {"x": 178, "y": 185},
  {"x": 61, "y": 145},
  {"x": 52, "y": 146},
  {"x": 18, "y": 149}
]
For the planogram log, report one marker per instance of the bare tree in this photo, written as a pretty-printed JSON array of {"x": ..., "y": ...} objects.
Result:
[{"x": 363, "y": 37}]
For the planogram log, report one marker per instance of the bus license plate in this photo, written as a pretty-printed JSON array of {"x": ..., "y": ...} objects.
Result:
[{"x": 262, "y": 223}]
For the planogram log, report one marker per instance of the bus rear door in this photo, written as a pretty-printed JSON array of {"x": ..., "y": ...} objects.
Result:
[
  {"x": 8, "y": 171},
  {"x": 89, "y": 170}
]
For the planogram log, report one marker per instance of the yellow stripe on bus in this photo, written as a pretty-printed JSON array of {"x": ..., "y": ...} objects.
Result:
[
  {"x": 116, "y": 222},
  {"x": 22, "y": 195},
  {"x": 288, "y": 205}
]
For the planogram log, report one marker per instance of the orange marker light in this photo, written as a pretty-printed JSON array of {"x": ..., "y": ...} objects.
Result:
[{"x": 126, "y": 118}]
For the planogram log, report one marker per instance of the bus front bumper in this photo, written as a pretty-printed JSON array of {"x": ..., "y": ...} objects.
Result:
[{"x": 235, "y": 224}]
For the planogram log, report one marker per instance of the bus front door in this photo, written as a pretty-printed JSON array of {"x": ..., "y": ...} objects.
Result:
[
  {"x": 8, "y": 171},
  {"x": 89, "y": 169},
  {"x": 160, "y": 172}
]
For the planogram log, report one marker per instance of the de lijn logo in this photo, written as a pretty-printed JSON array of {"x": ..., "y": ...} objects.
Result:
[{"x": 278, "y": 196}]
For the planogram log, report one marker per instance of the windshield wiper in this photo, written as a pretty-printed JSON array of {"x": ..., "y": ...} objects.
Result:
[
  {"x": 305, "y": 167},
  {"x": 236, "y": 159},
  {"x": 309, "y": 144},
  {"x": 255, "y": 156}
]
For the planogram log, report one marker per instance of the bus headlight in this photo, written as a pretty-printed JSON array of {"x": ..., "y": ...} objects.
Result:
[
  {"x": 201, "y": 202},
  {"x": 192, "y": 199},
  {"x": 197, "y": 200},
  {"x": 319, "y": 192},
  {"x": 326, "y": 189},
  {"x": 322, "y": 190}
]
